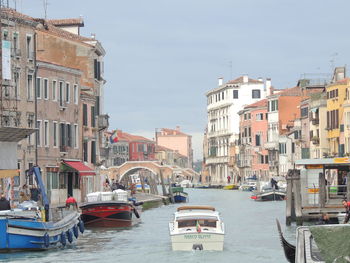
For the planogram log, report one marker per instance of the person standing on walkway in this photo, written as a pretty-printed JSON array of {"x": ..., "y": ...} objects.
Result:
[{"x": 346, "y": 205}]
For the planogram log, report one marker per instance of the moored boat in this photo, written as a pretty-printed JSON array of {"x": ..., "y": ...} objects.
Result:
[
  {"x": 179, "y": 195},
  {"x": 109, "y": 209},
  {"x": 24, "y": 229},
  {"x": 197, "y": 228},
  {"x": 230, "y": 187},
  {"x": 269, "y": 195}
]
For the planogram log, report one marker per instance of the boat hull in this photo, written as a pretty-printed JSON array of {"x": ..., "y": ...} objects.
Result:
[
  {"x": 270, "y": 196},
  {"x": 180, "y": 197},
  {"x": 197, "y": 241},
  {"x": 30, "y": 234},
  {"x": 107, "y": 214}
]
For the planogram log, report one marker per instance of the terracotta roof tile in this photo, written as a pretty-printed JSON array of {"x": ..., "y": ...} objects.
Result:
[
  {"x": 240, "y": 80},
  {"x": 260, "y": 103},
  {"x": 169, "y": 132},
  {"x": 67, "y": 22},
  {"x": 130, "y": 138}
]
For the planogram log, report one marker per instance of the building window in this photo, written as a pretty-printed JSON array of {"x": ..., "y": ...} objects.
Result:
[
  {"x": 257, "y": 140},
  {"x": 76, "y": 135},
  {"x": 304, "y": 112},
  {"x": 93, "y": 152},
  {"x": 54, "y": 90},
  {"x": 85, "y": 151},
  {"x": 76, "y": 93},
  {"x": 67, "y": 92},
  {"x": 38, "y": 133},
  {"x": 222, "y": 95},
  {"x": 282, "y": 148},
  {"x": 93, "y": 123},
  {"x": 259, "y": 116},
  {"x": 30, "y": 87},
  {"x": 63, "y": 137},
  {"x": 235, "y": 94},
  {"x": 97, "y": 69},
  {"x": 55, "y": 134},
  {"x": 273, "y": 105},
  {"x": 46, "y": 89},
  {"x": 30, "y": 53},
  {"x": 61, "y": 95},
  {"x": 46, "y": 133},
  {"x": 38, "y": 88},
  {"x": 16, "y": 77},
  {"x": 256, "y": 94},
  {"x": 16, "y": 44},
  {"x": 85, "y": 117},
  {"x": 69, "y": 135}
]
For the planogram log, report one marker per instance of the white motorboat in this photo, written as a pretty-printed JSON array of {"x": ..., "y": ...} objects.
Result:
[{"x": 197, "y": 228}]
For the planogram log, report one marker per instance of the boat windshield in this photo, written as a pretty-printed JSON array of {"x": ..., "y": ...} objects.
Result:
[{"x": 193, "y": 223}]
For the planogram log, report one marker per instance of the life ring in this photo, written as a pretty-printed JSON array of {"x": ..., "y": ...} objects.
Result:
[
  {"x": 136, "y": 213},
  {"x": 69, "y": 236},
  {"x": 63, "y": 239},
  {"x": 75, "y": 231},
  {"x": 81, "y": 226},
  {"x": 46, "y": 238}
]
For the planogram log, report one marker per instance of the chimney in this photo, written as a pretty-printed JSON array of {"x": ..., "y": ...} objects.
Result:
[
  {"x": 260, "y": 79},
  {"x": 268, "y": 87},
  {"x": 93, "y": 35},
  {"x": 220, "y": 81},
  {"x": 245, "y": 78},
  {"x": 178, "y": 128}
]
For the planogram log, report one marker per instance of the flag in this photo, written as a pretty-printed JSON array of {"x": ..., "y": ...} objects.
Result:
[
  {"x": 198, "y": 227},
  {"x": 114, "y": 137}
]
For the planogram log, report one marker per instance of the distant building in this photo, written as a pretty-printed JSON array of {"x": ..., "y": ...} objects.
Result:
[
  {"x": 170, "y": 157},
  {"x": 116, "y": 150},
  {"x": 223, "y": 105},
  {"x": 175, "y": 139}
]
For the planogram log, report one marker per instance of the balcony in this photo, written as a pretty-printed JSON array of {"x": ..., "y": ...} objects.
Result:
[
  {"x": 271, "y": 146},
  {"x": 315, "y": 140},
  {"x": 63, "y": 149},
  {"x": 103, "y": 121},
  {"x": 315, "y": 121},
  {"x": 219, "y": 133},
  {"x": 217, "y": 160}
]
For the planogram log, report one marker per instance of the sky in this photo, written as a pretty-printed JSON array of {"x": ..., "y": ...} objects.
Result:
[{"x": 164, "y": 55}]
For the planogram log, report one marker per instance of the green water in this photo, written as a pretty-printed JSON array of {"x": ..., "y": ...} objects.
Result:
[{"x": 251, "y": 235}]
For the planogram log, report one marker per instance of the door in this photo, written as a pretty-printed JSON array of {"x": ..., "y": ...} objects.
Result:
[{"x": 70, "y": 184}]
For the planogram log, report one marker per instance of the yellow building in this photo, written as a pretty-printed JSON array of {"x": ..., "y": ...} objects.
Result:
[
  {"x": 336, "y": 96},
  {"x": 346, "y": 106}
]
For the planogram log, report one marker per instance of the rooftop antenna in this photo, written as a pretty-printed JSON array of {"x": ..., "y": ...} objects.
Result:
[
  {"x": 45, "y": 3},
  {"x": 332, "y": 60}
]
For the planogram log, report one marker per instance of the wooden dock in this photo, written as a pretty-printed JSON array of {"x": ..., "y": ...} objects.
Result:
[{"x": 151, "y": 200}]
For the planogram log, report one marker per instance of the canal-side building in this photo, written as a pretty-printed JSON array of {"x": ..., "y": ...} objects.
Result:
[
  {"x": 177, "y": 140},
  {"x": 170, "y": 157},
  {"x": 223, "y": 105},
  {"x": 116, "y": 148},
  {"x": 283, "y": 109}
]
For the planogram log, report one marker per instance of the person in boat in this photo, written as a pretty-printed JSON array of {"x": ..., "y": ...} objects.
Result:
[
  {"x": 4, "y": 203},
  {"x": 274, "y": 184},
  {"x": 346, "y": 205},
  {"x": 34, "y": 194},
  {"x": 71, "y": 202},
  {"x": 324, "y": 220},
  {"x": 23, "y": 197}
]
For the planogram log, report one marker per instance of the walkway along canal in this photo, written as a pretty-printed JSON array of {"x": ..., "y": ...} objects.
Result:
[{"x": 251, "y": 235}]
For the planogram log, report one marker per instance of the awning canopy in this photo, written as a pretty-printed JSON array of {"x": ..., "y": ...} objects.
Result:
[
  {"x": 14, "y": 134},
  {"x": 80, "y": 167},
  {"x": 9, "y": 173}
]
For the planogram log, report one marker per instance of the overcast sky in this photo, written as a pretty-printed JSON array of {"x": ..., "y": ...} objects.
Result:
[{"x": 163, "y": 55}]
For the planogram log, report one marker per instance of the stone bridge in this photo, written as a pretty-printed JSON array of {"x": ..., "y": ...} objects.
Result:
[{"x": 156, "y": 168}]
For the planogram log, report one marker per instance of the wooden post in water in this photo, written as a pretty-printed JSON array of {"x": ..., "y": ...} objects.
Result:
[
  {"x": 171, "y": 192},
  {"x": 297, "y": 198},
  {"x": 162, "y": 182},
  {"x": 289, "y": 200},
  {"x": 322, "y": 190},
  {"x": 142, "y": 180}
]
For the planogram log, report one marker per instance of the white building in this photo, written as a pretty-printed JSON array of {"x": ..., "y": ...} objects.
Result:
[{"x": 223, "y": 105}]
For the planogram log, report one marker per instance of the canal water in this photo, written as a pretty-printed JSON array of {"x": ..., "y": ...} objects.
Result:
[{"x": 251, "y": 235}]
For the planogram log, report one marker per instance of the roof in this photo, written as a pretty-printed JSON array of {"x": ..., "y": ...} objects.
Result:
[
  {"x": 240, "y": 80},
  {"x": 132, "y": 138},
  {"x": 341, "y": 82},
  {"x": 324, "y": 161},
  {"x": 295, "y": 91},
  {"x": 67, "y": 22},
  {"x": 171, "y": 132},
  {"x": 80, "y": 167},
  {"x": 48, "y": 26},
  {"x": 260, "y": 103}
]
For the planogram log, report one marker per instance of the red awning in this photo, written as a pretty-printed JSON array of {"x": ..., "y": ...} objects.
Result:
[{"x": 80, "y": 167}]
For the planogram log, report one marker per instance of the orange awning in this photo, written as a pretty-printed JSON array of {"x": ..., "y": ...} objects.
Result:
[{"x": 80, "y": 167}]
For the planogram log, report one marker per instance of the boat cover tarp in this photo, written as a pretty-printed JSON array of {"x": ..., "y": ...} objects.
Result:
[
  {"x": 333, "y": 242},
  {"x": 177, "y": 189}
]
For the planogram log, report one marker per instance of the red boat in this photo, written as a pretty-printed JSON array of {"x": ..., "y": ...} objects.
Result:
[{"x": 109, "y": 214}]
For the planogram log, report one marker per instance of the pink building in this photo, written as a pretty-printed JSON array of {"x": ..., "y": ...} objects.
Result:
[
  {"x": 253, "y": 158},
  {"x": 176, "y": 140}
]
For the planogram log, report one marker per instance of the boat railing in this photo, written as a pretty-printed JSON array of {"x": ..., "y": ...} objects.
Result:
[{"x": 195, "y": 207}]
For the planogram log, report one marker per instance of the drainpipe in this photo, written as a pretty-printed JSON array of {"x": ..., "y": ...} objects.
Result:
[{"x": 35, "y": 101}]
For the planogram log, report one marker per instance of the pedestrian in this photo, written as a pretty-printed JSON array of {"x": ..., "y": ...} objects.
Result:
[
  {"x": 346, "y": 205},
  {"x": 71, "y": 202},
  {"x": 4, "y": 203},
  {"x": 23, "y": 197},
  {"x": 34, "y": 193},
  {"x": 324, "y": 220},
  {"x": 228, "y": 179}
]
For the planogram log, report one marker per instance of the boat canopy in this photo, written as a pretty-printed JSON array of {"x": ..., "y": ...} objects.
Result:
[{"x": 195, "y": 207}]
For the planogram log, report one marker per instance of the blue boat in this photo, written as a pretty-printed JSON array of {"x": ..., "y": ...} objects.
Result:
[
  {"x": 22, "y": 229},
  {"x": 179, "y": 195}
]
